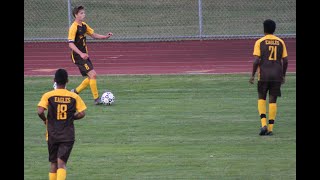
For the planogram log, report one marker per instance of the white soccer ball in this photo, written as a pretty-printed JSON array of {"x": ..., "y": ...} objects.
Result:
[{"x": 107, "y": 98}]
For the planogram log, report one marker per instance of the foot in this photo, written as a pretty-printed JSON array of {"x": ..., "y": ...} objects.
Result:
[
  {"x": 263, "y": 131},
  {"x": 74, "y": 90},
  {"x": 97, "y": 101},
  {"x": 269, "y": 133}
]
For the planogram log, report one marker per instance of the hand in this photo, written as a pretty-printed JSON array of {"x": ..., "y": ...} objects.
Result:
[
  {"x": 84, "y": 56},
  {"x": 109, "y": 34},
  {"x": 251, "y": 80}
]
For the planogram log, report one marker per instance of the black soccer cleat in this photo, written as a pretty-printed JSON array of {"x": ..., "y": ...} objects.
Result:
[
  {"x": 269, "y": 133},
  {"x": 263, "y": 131},
  {"x": 97, "y": 101}
]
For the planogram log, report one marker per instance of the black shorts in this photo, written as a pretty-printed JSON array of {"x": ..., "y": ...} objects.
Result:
[
  {"x": 84, "y": 65},
  {"x": 272, "y": 86},
  {"x": 60, "y": 150}
]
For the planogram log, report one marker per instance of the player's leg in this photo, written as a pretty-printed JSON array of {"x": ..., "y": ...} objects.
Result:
[
  {"x": 85, "y": 83},
  {"x": 262, "y": 107},
  {"x": 273, "y": 94},
  {"x": 53, "y": 151},
  {"x": 93, "y": 85},
  {"x": 63, "y": 156},
  {"x": 53, "y": 171}
]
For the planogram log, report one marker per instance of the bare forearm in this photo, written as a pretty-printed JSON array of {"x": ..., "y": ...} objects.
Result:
[
  {"x": 78, "y": 115},
  {"x": 285, "y": 66},
  {"x": 42, "y": 116},
  {"x": 99, "y": 36},
  {"x": 255, "y": 66}
]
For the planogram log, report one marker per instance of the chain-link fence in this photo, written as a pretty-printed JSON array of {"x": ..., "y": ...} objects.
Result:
[{"x": 160, "y": 19}]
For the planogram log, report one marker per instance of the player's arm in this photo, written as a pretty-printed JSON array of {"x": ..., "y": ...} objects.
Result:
[
  {"x": 75, "y": 49},
  {"x": 80, "y": 107},
  {"x": 99, "y": 36},
  {"x": 79, "y": 115},
  {"x": 284, "y": 62},
  {"x": 94, "y": 35},
  {"x": 284, "y": 68},
  {"x": 254, "y": 68},
  {"x": 41, "y": 114}
]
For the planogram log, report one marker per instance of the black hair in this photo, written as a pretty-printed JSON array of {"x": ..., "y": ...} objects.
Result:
[
  {"x": 269, "y": 26},
  {"x": 61, "y": 77},
  {"x": 76, "y": 10}
]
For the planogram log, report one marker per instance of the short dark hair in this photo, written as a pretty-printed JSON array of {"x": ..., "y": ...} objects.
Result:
[
  {"x": 269, "y": 26},
  {"x": 76, "y": 10},
  {"x": 61, "y": 77}
]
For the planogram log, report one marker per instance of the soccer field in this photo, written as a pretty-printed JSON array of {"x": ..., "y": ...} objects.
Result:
[{"x": 169, "y": 127}]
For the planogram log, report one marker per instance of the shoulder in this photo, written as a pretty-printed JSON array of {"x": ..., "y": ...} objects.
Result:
[
  {"x": 48, "y": 94},
  {"x": 260, "y": 40},
  {"x": 73, "y": 95},
  {"x": 73, "y": 25},
  {"x": 84, "y": 23},
  {"x": 279, "y": 39}
]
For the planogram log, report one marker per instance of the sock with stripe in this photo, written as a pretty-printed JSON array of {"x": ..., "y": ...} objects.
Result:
[
  {"x": 272, "y": 115},
  {"x": 94, "y": 89},
  {"x": 262, "y": 111}
]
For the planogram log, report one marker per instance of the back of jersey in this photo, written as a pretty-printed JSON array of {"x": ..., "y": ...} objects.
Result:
[
  {"x": 271, "y": 50},
  {"x": 61, "y": 109}
]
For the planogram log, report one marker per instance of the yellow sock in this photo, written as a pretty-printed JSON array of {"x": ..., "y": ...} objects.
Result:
[
  {"x": 83, "y": 85},
  {"x": 272, "y": 115},
  {"x": 52, "y": 176},
  {"x": 61, "y": 174},
  {"x": 262, "y": 111},
  {"x": 94, "y": 89}
]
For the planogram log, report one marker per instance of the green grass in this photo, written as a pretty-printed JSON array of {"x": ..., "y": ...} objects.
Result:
[
  {"x": 169, "y": 127},
  {"x": 161, "y": 18}
]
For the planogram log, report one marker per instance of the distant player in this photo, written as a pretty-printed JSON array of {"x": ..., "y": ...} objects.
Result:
[
  {"x": 271, "y": 62},
  {"x": 63, "y": 108},
  {"x": 79, "y": 55}
]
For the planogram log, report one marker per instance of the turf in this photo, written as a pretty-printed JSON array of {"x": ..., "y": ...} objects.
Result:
[{"x": 169, "y": 127}]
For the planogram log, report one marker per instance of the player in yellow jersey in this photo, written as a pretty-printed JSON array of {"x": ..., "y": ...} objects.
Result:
[
  {"x": 79, "y": 55},
  {"x": 63, "y": 108},
  {"x": 271, "y": 61}
]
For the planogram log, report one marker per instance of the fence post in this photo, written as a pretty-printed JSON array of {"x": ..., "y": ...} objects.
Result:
[
  {"x": 69, "y": 12},
  {"x": 200, "y": 18}
]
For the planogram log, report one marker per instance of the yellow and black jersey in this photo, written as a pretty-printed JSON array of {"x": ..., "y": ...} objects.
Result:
[
  {"x": 77, "y": 35},
  {"x": 271, "y": 51},
  {"x": 61, "y": 105}
]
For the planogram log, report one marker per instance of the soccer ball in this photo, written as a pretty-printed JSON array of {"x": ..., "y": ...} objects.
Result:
[{"x": 107, "y": 98}]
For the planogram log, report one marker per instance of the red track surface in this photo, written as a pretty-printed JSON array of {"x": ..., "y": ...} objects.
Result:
[{"x": 180, "y": 57}]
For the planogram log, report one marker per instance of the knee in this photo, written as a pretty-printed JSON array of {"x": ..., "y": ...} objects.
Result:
[
  {"x": 93, "y": 76},
  {"x": 53, "y": 167}
]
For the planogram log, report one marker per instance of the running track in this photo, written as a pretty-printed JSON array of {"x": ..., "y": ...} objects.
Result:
[{"x": 179, "y": 57}]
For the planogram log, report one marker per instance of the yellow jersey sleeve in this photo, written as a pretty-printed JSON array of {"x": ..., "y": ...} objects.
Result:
[
  {"x": 72, "y": 33},
  {"x": 80, "y": 105},
  {"x": 44, "y": 101},
  {"x": 256, "y": 50},
  {"x": 284, "y": 53},
  {"x": 89, "y": 31}
]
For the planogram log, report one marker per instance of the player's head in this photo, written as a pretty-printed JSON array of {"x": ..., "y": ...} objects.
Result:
[
  {"x": 78, "y": 12},
  {"x": 269, "y": 26},
  {"x": 61, "y": 77}
]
